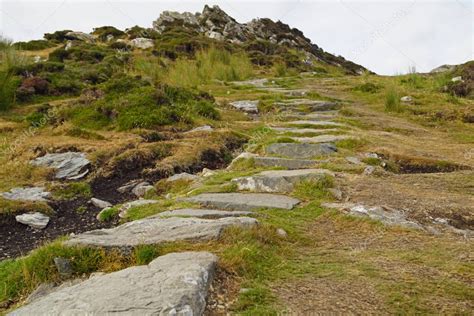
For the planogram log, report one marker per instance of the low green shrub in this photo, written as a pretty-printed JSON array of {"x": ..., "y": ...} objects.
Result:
[
  {"x": 34, "y": 45},
  {"x": 392, "y": 101}
]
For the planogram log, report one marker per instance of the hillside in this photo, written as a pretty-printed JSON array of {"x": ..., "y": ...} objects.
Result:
[{"x": 204, "y": 166}]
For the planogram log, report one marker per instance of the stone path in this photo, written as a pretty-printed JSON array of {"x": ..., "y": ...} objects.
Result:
[
  {"x": 173, "y": 284},
  {"x": 300, "y": 151}
]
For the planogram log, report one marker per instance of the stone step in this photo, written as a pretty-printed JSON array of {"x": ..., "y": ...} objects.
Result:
[
  {"x": 283, "y": 162},
  {"x": 244, "y": 201},
  {"x": 301, "y": 150},
  {"x": 155, "y": 230},
  {"x": 203, "y": 213},
  {"x": 295, "y": 130},
  {"x": 314, "y": 105},
  {"x": 321, "y": 139},
  {"x": 314, "y": 123},
  {"x": 173, "y": 284},
  {"x": 279, "y": 181}
]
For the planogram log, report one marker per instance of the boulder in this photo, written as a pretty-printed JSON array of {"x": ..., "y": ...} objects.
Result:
[
  {"x": 173, "y": 284},
  {"x": 168, "y": 18},
  {"x": 142, "y": 43},
  {"x": 99, "y": 203},
  {"x": 279, "y": 181},
  {"x": 156, "y": 230},
  {"x": 303, "y": 150},
  {"x": 81, "y": 36},
  {"x": 34, "y": 219},
  {"x": 247, "y": 106},
  {"x": 202, "y": 213},
  {"x": 36, "y": 194},
  {"x": 68, "y": 165},
  {"x": 244, "y": 201}
]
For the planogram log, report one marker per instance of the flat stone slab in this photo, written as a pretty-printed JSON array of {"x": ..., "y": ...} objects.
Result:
[
  {"x": 246, "y": 105},
  {"x": 295, "y": 130},
  {"x": 34, "y": 219},
  {"x": 244, "y": 201},
  {"x": 203, "y": 213},
  {"x": 301, "y": 150},
  {"x": 283, "y": 162},
  {"x": 279, "y": 181},
  {"x": 315, "y": 123},
  {"x": 156, "y": 230},
  {"x": 322, "y": 139},
  {"x": 315, "y": 105},
  {"x": 69, "y": 165},
  {"x": 252, "y": 82},
  {"x": 386, "y": 215},
  {"x": 34, "y": 194},
  {"x": 173, "y": 284}
]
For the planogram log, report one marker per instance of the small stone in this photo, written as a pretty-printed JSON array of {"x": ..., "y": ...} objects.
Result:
[
  {"x": 183, "y": 176},
  {"x": 336, "y": 193},
  {"x": 457, "y": 79},
  {"x": 369, "y": 170},
  {"x": 35, "y": 220},
  {"x": 204, "y": 128},
  {"x": 63, "y": 266},
  {"x": 246, "y": 106},
  {"x": 142, "y": 188},
  {"x": 282, "y": 233},
  {"x": 100, "y": 203},
  {"x": 371, "y": 155},
  {"x": 207, "y": 173},
  {"x": 128, "y": 186},
  {"x": 353, "y": 160},
  {"x": 406, "y": 99}
]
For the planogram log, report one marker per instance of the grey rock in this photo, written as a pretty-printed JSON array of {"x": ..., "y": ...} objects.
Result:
[
  {"x": 371, "y": 155},
  {"x": 63, "y": 266},
  {"x": 321, "y": 139},
  {"x": 173, "y": 284},
  {"x": 296, "y": 130},
  {"x": 443, "y": 68},
  {"x": 128, "y": 186},
  {"x": 369, "y": 170},
  {"x": 34, "y": 219},
  {"x": 69, "y": 165},
  {"x": 282, "y": 233},
  {"x": 244, "y": 201},
  {"x": 37, "y": 194},
  {"x": 46, "y": 288},
  {"x": 314, "y": 123},
  {"x": 100, "y": 203},
  {"x": 303, "y": 150},
  {"x": 386, "y": 215},
  {"x": 168, "y": 18},
  {"x": 336, "y": 193},
  {"x": 81, "y": 36},
  {"x": 259, "y": 83},
  {"x": 353, "y": 160},
  {"x": 291, "y": 164},
  {"x": 215, "y": 35},
  {"x": 202, "y": 213},
  {"x": 406, "y": 99},
  {"x": 126, "y": 206},
  {"x": 183, "y": 176},
  {"x": 156, "y": 230},
  {"x": 142, "y": 43},
  {"x": 279, "y": 181},
  {"x": 457, "y": 79},
  {"x": 314, "y": 105},
  {"x": 142, "y": 188},
  {"x": 246, "y": 105},
  {"x": 207, "y": 173},
  {"x": 204, "y": 128}
]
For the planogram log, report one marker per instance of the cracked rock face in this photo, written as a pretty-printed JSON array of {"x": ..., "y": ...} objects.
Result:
[
  {"x": 173, "y": 284},
  {"x": 69, "y": 165}
]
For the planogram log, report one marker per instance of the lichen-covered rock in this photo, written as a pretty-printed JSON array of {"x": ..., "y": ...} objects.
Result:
[
  {"x": 68, "y": 165},
  {"x": 173, "y": 284}
]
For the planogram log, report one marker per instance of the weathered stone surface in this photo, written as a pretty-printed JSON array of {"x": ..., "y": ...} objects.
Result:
[
  {"x": 183, "y": 176},
  {"x": 127, "y": 187},
  {"x": 282, "y": 233},
  {"x": 26, "y": 194},
  {"x": 406, "y": 99},
  {"x": 315, "y": 123},
  {"x": 386, "y": 215},
  {"x": 142, "y": 188},
  {"x": 244, "y": 201},
  {"x": 35, "y": 220},
  {"x": 63, "y": 266},
  {"x": 353, "y": 160},
  {"x": 291, "y": 164},
  {"x": 69, "y": 165},
  {"x": 142, "y": 43},
  {"x": 246, "y": 106},
  {"x": 314, "y": 105},
  {"x": 303, "y": 150},
  {"x": 204, "y": 128},
  {"x": 100, "y": 203},
  {"x": 279, "y": 181},
  {"x": 296, "y": 130},
  {"x": 126, "y": 206},
  {"x": 81, "y": 36},
  {"x": 322, "y": 139},
  {"x": 260, "y": 83},
  {"x": 173, "y": 284},
  {"x": 202, "y": 213},
  {"x": 156, "y": 230}
]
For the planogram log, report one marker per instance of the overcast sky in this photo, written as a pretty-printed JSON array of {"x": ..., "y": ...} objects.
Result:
[{"x": 387, "y": 37}]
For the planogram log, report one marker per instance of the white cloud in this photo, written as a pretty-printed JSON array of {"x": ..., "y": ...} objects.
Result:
[{"x": 385, "y": 36}]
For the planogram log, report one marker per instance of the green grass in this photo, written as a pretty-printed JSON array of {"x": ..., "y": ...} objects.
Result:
[
  {"x": 72, "y": 190},
  {"x": 392, "y": 101}
]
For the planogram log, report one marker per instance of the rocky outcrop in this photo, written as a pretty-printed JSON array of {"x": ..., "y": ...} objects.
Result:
[
  {"x": 173, "y": 284},
  {"x": 69, "y": 165}
]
